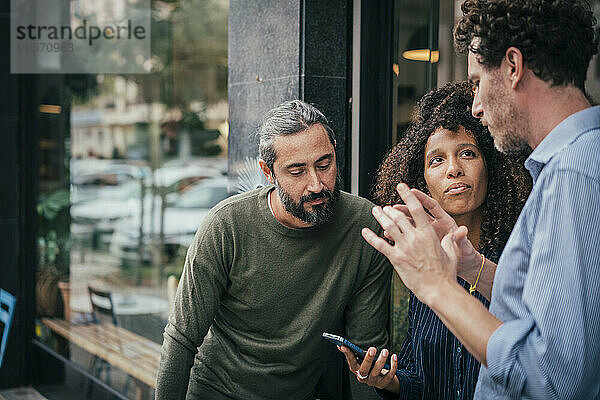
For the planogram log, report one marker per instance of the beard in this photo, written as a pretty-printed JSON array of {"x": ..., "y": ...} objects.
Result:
[
  {"x": 509, "y": 122},
  {"x": 509, "y": 141},
  {"x": 320, "y": 213}
]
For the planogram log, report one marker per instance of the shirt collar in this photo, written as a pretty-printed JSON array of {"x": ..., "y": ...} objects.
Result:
[{"x": 561, "y": 136}]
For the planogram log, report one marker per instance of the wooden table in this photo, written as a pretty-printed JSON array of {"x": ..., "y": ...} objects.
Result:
[
  {"x": 124, "y": 304},
  {"x": 135, "y": 355}
]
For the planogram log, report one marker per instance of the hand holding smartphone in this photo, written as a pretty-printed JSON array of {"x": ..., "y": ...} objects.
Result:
[{"x": 358, "y": 352}]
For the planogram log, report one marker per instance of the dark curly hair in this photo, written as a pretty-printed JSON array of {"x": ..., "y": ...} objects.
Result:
[
  {"x": 556, "y": 37},
  {"x": 449, "y": 107}
]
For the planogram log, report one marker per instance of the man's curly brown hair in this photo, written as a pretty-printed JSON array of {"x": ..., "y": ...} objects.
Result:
[
  {"x": 449, "y": 107},
  {"x": 556, "y": 37}
]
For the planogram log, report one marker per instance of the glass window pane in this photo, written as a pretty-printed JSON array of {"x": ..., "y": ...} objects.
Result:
[{"x": 128, "y": 170}]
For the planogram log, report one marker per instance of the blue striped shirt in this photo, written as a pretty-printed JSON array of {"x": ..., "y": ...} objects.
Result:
[{"x": 547, "y": 285}]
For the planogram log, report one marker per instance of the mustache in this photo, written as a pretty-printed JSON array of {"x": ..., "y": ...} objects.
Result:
[{"x": 323, "y": 194}]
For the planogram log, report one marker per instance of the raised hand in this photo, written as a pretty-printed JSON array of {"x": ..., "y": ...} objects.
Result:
[
  {"x": 439, "y": 219},
  {"x": 417, "y": 254},
  {"x": 468, "y": 258}
]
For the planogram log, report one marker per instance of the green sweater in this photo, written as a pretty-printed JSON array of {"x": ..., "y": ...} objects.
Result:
[{"x": 255, "y": 297}]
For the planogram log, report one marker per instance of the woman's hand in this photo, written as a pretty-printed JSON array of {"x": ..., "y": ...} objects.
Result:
[
  {"x": 468, "y": 260},
  {"x": 374, "y": 374}
]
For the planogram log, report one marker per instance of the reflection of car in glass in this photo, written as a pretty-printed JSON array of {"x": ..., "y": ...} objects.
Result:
[
  {"x": 178, "y": 178},
  {"x": 116, "y": 200},
  {"x": 106, "y": 179},
  {"x": 180, "y": 221},
  {"x": 111, "y": 204}
]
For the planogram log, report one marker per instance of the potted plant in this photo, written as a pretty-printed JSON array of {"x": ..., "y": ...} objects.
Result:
[{"x": 54, "y": 246}]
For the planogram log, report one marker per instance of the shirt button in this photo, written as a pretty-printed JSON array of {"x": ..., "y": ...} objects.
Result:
[{"x": 458, "y": 350}]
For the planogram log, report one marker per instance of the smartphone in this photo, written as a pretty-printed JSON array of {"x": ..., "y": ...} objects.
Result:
[{"x": 358, "y": 352}]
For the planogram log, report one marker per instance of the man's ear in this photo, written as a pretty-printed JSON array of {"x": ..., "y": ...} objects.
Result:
[
  {"x": 515, "y": 65},
  {"x": 266, "y": 170}
]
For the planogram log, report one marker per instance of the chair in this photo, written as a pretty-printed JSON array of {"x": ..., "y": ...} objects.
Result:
[
  {"x": 7, "y": 308},
  {"x": 102, "y": 308},
  {"x": 102, "y": 305}
]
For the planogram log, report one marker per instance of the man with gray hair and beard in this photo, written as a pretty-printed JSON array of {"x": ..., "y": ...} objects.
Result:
[{"x": 270, "y": 270}]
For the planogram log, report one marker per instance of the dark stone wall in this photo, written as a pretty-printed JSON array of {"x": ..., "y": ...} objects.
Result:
[
  {"x": 327, "y": 67},
  {"x": 292, "y": 49}
]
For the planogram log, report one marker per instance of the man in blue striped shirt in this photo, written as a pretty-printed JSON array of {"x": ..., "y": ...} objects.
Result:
[{"x": 541, "y": 337}]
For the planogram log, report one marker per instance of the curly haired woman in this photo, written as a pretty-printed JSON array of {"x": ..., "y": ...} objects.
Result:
[{"x": 447, "y": 154}]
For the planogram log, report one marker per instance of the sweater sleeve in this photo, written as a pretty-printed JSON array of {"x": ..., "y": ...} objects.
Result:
[
  {"x": 202, "y": 284},
  {"x": 366, "y": 314}
]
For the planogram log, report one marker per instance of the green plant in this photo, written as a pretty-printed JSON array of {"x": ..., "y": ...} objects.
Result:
[{"x": 54, "y": 224}]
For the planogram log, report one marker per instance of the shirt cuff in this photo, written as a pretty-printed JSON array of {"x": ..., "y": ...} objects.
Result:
[
  {"x": 503, "y": 347},
  {"x": 410, "y": 387}
]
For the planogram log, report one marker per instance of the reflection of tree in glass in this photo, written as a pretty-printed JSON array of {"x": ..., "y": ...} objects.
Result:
[
  {"x": 189, "y": 43},
  {"x": 175, "y": 110},
  {"x": 201, "y": 140},
  {"x": 80, "y": 87},
  {"x": 125, "y": 50}
]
